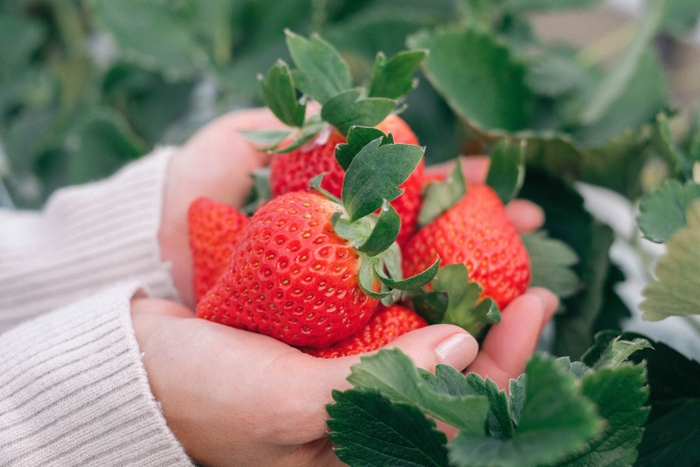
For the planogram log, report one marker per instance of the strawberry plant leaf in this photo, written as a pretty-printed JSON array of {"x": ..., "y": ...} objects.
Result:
[
  {"x": 374, "y": 175},
  {"x": 663, "y": 211},
  {"x": 369, "y": 429},
  {"x": 322, "y": 73},
  {"x": 260, "y": 192},
  {"x": 683, "y": 164},
  {"x": 358, "y": 137},
  {"x": 271, "y": 138},
  {"x": 676, "y": 292},
  {"x": 348, "y": 109},
  {"x": 413, "y": 282},
  {"x": 521, "y": 6},
  {"x": 506, "y": 171},
  {"x": 464, "y": 60},
  {"x": 392, "y": 78},
  {"x": 312, "y": 126},
  {"x": 500, "y": 423},
  {"x": 465, "y": 308},
  {"x": 431, "y": 306},
  {"x": 516, "y": 389},
  {"x": 279, "y": 95},
  {"x": 438, "y": 197},
  {"x": 366, "y": 278},
  {"x": 384, "y": 232},
  {"x": 620, "y": 394},
  {"x": 550, "y": 263},
  {"x": 681, "y": 17},
  {"x": 555, "y": 421},
  {"x": 315, "y": 183},
  {"x": 393, "y": 374},
  {"x": 619, "y": 351}
]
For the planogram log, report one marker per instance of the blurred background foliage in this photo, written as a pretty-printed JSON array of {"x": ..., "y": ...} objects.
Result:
[{"x": 87, "y": 85}]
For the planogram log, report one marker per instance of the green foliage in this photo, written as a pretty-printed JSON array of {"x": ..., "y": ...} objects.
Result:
[
  {"x": 438, "y": 197},
  {"x": 663, "y": 212},
  {"x": 551, "y": 261},
  {"x": 506, "y": 170}
]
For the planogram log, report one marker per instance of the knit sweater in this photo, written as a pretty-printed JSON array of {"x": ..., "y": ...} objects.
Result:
[{"x": 73, "y": 388}]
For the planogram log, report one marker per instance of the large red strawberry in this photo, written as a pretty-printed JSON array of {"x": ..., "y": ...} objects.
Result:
[
  {"x": 307, "y": 268},
  {"x": 386, "y": 324},
  {"x": 214, "y": 230},
  {"x": 476, "y": 232},
  {"x": 292, "y": 171}
]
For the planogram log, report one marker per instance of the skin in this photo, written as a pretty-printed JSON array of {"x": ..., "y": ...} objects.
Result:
[{"x": 236, "y": 398}]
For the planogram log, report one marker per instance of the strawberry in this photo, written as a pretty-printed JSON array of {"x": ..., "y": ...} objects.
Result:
[
  {"x": 292, "y": 171},
  {"x": 307, "y": 267},
  {"x": 386, "y": 324},
  {"x": 214, "y": 229},
  {"x": 476, "y": 232}
]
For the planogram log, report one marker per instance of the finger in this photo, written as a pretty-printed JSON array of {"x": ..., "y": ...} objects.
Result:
[
  {"x": 474, "y": 169},
  {"x": 551, "y": 303},
  {"x": 525, "y": 215},
  {"x": 510, "y": 343}
]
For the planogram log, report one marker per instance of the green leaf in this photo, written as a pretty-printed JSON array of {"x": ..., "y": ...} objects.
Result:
[
  {"x": 322, "y": 73},
  {"x": 374, "y": 175},
  {"x": 500, "y": 422},
  {"x": 478, "y": 78},
  {"x": 357, "y": 232},
  {"x": 517, "y": 397},
  {"x": 150, "y": 34},
  {"x": 366, "y": 277},
  {"x": 506, "y": 171},
  {"x": 348, "y": 109},
  {"x": 431, "y": 306},
  {"x": 681, "y": 17},
  {"x": 393, "y": 374},
  {"x": 550, "y": 263},
  {"x": 663, "y": 211},
  {"x": 676, "y": 292},
  {"x": 620, "y": 394},
  {"x": 438, "y": 197},
  {"x": 413, "y": 282},
  {"x": 555, "y": 421},
  {"x": 619, "y": 351},
  {"x": 358, "y": 137},
  {"x": 371, "y": 430},
  {"x": 669, "y": 150},
  {"x": 312, "y": 126},
  {"x": 280, "y": 96},
  {"x": 672, "y": 431},
  {"x": 270, "y": 138},
  {"x": 384, "y": 232},
  {"x": 260, "y": 192},
  {"x": 616, "y": 81},
  {"x": 465, "y": 307},
  {"x": 392, "y": 79}
]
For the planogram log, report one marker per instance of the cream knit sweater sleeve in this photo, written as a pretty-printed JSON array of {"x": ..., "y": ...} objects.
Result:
[{"x": 73, "y": 389}]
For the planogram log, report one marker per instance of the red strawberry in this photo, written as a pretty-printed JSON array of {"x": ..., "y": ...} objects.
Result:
[
  {"x": 214, "y": 230},
  {"x": 386, "y": 324},
  {"x": 292, "y": 171},
  {"x": 475, "y": 232},
  {"x": 292, "y": 277}
]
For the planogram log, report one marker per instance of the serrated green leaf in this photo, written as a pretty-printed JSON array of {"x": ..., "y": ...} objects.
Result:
[
  {"x": 555, "y": 421},
  {"x": 616, "y": 81},
  {"x": 392, "y": 373},
  {"x": 413, "y": 282},
  {"x": 500, "y": 422},
  {"x": 683, "y": 164},
  {"x": 384, "y": 232},
  {"x": 280, "y": 97},
  {"x": 431, "y": 306},
  {"x": 357, "y": 138},
  {"x": 465, "y": 306},
  {"x": 620, "y": 394},
  {"x": 663, "y": 211},
  {"x": 152, "y": 36},
  {"x": 372, "y": 431},
  {"x": 374, "y": 175},
  {"x": 554, "y": 72},
  {"x": 270, "y": 138},
  {"x": 521, "y": 6},
  {"x": 516, "y": 389},
  {"x": 478, "y": 77},
  {"x": 392, "y": 79},
  {"x": 550, "y": 263},
  {"x": 348, "y": 109},
  {"x": 619, "y": 351},
  {"x": 438, "y": 197},
  {"x": 322, "y": 73},
  {"x": 506, "y": 170},
  {"x": 676, "y": 292}
]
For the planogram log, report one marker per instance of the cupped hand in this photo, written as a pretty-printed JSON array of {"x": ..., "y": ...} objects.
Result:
[{"x": 238, "y": 398}]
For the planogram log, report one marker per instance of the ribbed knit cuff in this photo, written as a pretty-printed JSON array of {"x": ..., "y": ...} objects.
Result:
[
  {"x": 87, "y": 238},
  {"x": 74, "y": 392}
]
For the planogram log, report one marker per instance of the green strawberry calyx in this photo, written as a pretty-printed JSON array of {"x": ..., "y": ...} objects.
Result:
[
  {"x": 323, "y": 76},
  {"x": 374, "y": 168}
]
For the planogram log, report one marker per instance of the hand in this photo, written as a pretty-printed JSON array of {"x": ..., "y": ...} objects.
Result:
[
  {"x": 216, "y": 162},
  {"x": 238, "y": 398}
]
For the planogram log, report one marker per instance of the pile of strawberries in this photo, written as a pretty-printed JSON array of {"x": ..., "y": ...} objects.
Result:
[{"x": 336, "y": 262}]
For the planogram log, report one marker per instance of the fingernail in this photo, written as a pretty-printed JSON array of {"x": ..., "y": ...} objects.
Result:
[{"x": 457, "y": 350}]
